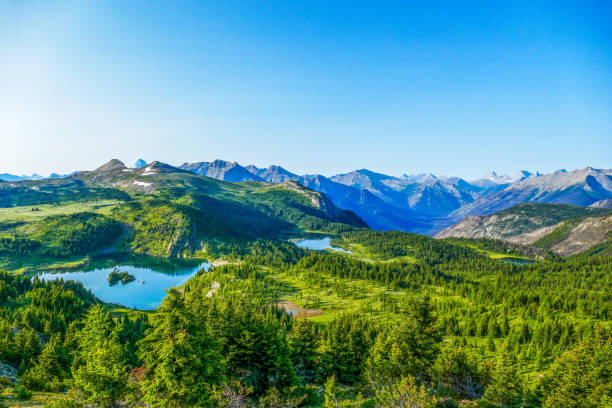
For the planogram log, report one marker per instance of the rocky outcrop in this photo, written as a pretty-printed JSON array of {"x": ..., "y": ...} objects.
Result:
[
  {"x": 586, "y": 234},
  {"x": 567, "y": 230},
  {"x": 112, "y": 165},
  {"x": 221, "y": 170},
  {"x": 602, "y": 204},
  {"x": 322, "y": 203},
  {"x": 8, "y": 371}
]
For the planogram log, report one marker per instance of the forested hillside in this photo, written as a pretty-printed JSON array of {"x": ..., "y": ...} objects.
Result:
[
  {"x": 156, "y": 210},
  {"x": 396, "y": 320},
  {"x": 417, "y": 321}
]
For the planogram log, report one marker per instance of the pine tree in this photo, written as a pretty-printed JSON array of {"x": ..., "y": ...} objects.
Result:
[
  {"x": 181, "y": 360},
  {"x": 99, "y": 371},
  {"x": 505, "y": 389},
  {"x": 47, "y": 374},
  {"x": 582, "y": 376},
  {"x": 303, "y": 343}
]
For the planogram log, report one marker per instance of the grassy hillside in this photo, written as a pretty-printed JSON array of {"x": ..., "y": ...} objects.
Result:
[{"x": 158, "y": 210}]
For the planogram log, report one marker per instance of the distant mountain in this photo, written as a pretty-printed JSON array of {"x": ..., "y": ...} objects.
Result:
[
  {"x": 170, "y": 211},
  {"x": 516, "y": 221},
  {"x": 112, "y": 165},
  {"x": 432, "y": 196},
  {"x": 12, "y": 177},
  {"x": 273, "y": 174},
  {"x": 140, "y": 163},
  {"x": 564, "y": 229},
  {"x": 493, "y": 182},
  {"x": 580, "y": 187},
  {"x": 373, "y": 210},
  {"x": 221, "y": 170},
  {"x": 426, "y": 202},
  {"x": 602, "y": 203},
  {"x": 419, "y": 178}
]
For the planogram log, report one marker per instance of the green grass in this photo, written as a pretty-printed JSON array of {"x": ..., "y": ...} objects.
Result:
[{"x": 30, "y": 213}]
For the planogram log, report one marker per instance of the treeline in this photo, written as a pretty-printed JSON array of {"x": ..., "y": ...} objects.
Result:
[
  {"x": 61, "y": 236},
  {"x": 392, "y": 244}
]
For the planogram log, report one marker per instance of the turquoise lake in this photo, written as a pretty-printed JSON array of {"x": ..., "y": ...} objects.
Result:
[
  {"x": 319, "y": 245},
  {"x": 145, "y": 293}
]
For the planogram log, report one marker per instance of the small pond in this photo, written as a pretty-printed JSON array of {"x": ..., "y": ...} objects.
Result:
[
  {"x": 146, "y": 292},
  {"x": 319, "y": 244},
  {"x": 518, "y": 261}
]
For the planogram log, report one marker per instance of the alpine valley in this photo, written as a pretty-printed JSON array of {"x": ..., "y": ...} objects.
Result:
[{"x": 213, "y": 284}]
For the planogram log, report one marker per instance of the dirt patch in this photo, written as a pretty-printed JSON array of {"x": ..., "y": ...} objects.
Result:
[
  {"x": 296, "y": 311},
  {"x": 221, "y": 262}
]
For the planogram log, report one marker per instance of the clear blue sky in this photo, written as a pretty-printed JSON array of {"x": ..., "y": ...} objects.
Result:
[{"x": 454, "y": 88}]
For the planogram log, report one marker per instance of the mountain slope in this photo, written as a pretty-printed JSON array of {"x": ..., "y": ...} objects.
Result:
[
  {"x": 578, "y": 235},
  {"x": 581, "y": 187},
  {"x": 564, "y": 229},
  {"x": 165, "y": 211},
  {"x": 373, "y": 210},
  {"x": 273, "y": 174},
  {"x": 221, "y": 170},
  {"x": 428, "y": 195}
]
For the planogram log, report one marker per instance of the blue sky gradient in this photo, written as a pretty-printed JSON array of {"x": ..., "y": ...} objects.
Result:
[{"x": 454, "y": 88}]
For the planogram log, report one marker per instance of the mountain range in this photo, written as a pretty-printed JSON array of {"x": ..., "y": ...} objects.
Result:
[
  {"x": 427, "y": 203},
  {"x": 422, "y": 203}
]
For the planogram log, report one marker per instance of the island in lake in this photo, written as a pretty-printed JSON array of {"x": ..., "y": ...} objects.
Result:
[{"x": 117, "y": 276}]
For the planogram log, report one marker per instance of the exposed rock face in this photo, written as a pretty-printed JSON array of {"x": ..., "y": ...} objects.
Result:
[
  {"x": 525, "y": 224},
  {"x": 325, "y": 205},
  {"x": 114, "y": 164},
  {"x": 588, "y": 233},
  {"x": 602, "y": 204},
  {"x": 581, "y": 187},
  {"x": 221, "y": 170},
  {"x": 8, "y": 372},
  {"x": 273, "y": 174}
]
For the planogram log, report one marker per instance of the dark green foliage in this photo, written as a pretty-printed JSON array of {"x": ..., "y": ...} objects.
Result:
[
  {"x": 17, "y": 245},
  {"x": 580, "y": 377},
  {"x": 393, "y": 244},
  {"x": 62, "y": 236},
  {"x": 345, "y": 347},
  {"x": 253, "y": 342},
  {"x": 303, "y": 342},
  {"x": 48, "y": 373},
  {"x": 99, "y": 369},
  {"x": 505, "y": 389},
  {"x": 181, "y": 360},
  {"x": 76, "y": 234},
  {"x": 116, "y": 276}
]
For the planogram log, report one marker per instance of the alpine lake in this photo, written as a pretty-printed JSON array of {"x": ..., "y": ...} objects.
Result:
[{"x": 152, "y": 278}]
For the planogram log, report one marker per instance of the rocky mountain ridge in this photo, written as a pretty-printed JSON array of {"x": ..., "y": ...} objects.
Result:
[{"x": 563, "y": 229}]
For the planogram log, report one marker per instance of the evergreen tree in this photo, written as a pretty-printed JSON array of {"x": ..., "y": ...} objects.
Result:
[
  {"x": 505, "y": 389},
  {"x": 99, "y": 371},
  {"x": 47, "y": 374},
  {"x": 303, "y": 343},
  {"x": 182, "y": 361},
  {"x": 581, "y": 377}
]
